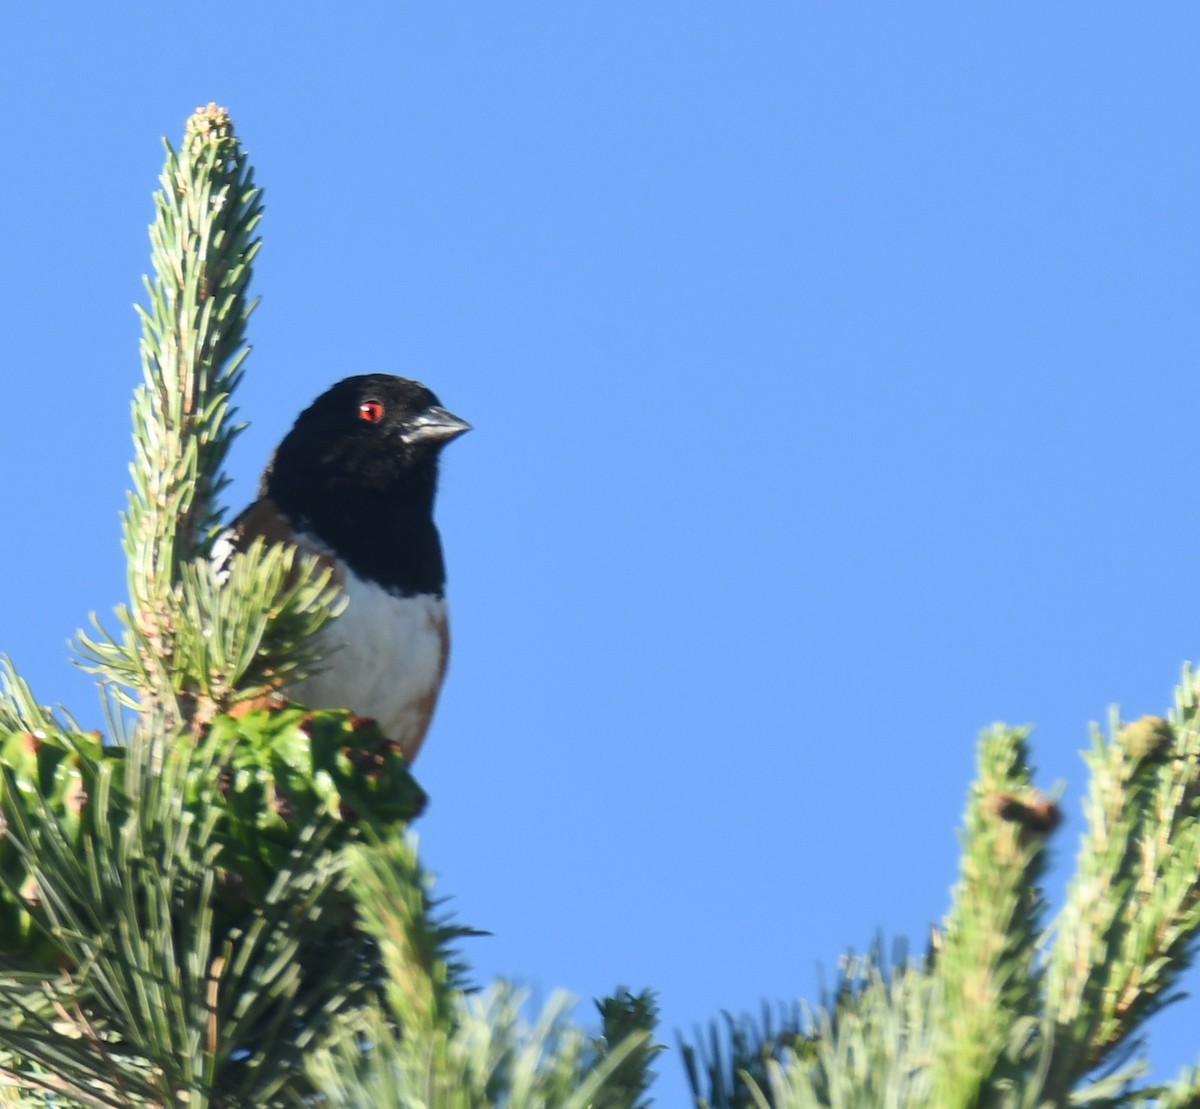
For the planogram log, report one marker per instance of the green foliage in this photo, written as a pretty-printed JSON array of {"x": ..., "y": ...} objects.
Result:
[
  {"x": 193, "y": 918},
  {"x": 986, "y": 978},
  {"x": 164, "y": 991},
  {"x": 260, "y": 781},
  {"x": 54, "y": 773},
  {"x": 628, "y": 1021},
  {"x": 1133, "y": 907},
  {"x": 490, "y": 1057},
  {"x": 191, "y": 644},
  {"x": 431, "y": 1045},
  {"x": 238, "y": 632},
  {"x": 998, "y": 1013}
]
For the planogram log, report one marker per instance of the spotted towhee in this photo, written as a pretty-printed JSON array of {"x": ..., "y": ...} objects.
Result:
[{"x": 354, "y": 483}]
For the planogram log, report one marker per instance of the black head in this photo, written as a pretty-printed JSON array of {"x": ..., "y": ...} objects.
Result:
[{"x": 359, "y": 471}]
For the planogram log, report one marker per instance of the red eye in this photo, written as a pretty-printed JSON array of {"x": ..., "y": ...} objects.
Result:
[{"x": 371, "y": 411}]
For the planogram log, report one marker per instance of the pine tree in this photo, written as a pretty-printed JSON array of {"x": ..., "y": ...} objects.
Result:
[
  {"x": 1001, "y": 1010},
  {"x": 220, "y": 904}
]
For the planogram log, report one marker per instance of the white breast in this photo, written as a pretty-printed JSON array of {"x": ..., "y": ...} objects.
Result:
[{"x": 383, "y": 657}]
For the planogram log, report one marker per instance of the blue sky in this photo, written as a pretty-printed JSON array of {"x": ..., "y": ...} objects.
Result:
[{"x": 830, "y": 369}]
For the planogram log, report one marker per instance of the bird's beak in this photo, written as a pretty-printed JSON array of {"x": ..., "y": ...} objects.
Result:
[{"x": 434, "y": 425}]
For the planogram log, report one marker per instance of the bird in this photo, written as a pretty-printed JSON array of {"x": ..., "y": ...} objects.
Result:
[{"x": 354, "y": 482}]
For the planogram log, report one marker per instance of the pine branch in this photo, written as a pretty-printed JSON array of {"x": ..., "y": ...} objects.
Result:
[
  {"x": 433, "y": 1045},
  {"x": 986, "y": 972},
  {"x": 1183, "y": 1093},
  {"x": 870, "y": 1043},
  {"x": 185, "y": 925},
  {"x": 625, "y": 1015},
  {"x": 19, "y": 709},
  {"x": 957, "y": 1028},
  {"x": 203, "y": 245},
  {"x": 423, "y": 974},
  {"x": 983, "y": 1020},
  {"x": 1133, "y": 908}
]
